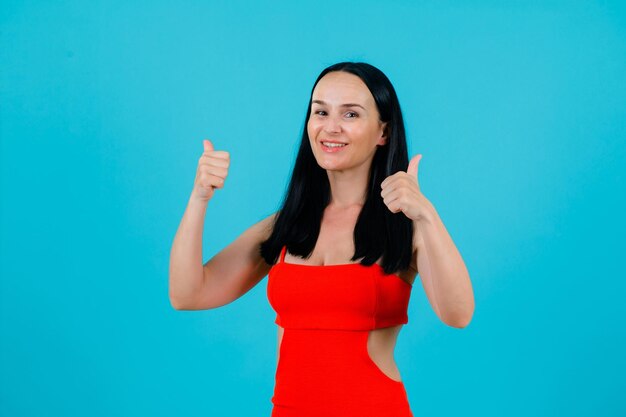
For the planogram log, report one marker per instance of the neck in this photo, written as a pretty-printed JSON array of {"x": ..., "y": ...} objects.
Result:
[{"x": 348, "y": 188}]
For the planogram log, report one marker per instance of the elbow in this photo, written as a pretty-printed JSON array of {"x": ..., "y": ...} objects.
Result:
[
  {"x": 177, "y": 304},
  {"x": 180, "y": 297},
  {"x": 176, "y": 301},
  {"x": 180, "y": 303},
  {"x": 190, "y": 303},
  {"x": 459, "y": 323},
  {"x": 459, "y": 320},
  {"x": 461, "y": 316}
]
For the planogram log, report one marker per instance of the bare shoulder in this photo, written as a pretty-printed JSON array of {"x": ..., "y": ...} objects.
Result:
[
  {"x": 244, "y": 249},
  {"x": 264, "y": 227}
]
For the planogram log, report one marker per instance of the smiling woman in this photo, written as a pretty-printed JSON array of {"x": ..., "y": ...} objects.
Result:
[
  {"x": 338, "y": 321},
  {"x": 341, "y": 253},
  {"x": 343, "y": 113},
  {"x": 353, "y": 139}
]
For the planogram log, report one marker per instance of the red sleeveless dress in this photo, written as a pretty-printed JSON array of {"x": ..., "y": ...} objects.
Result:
[{"x": 327, "y": 311}]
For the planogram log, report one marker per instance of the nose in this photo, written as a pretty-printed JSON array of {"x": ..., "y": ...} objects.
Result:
[{"x": 331, "y": 125}]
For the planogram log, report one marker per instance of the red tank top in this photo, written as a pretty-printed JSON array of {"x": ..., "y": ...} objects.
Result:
[{"x": 342, "y": 297}]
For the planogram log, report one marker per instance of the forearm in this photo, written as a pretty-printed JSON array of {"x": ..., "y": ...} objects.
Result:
[
  {"x": 451, "y": 284},
  {"x": 186, "y": 268}
]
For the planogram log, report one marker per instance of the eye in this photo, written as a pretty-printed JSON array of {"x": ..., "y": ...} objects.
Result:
[
  {"x": 318, "y": 112},
  {"x": 355, "y": 115}
]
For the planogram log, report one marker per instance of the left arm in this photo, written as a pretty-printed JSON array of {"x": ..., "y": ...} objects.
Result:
[
  {"x": 438, "y": 262},
  {"x": 443, "y": 273}
]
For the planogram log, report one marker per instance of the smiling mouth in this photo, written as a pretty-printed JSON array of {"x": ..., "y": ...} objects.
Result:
[
  {"x": 331, "y": 147},
  {"x": 333, "y": 144}
]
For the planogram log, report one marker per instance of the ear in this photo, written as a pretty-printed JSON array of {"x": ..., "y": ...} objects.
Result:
[{"x": 384, "y": 136}]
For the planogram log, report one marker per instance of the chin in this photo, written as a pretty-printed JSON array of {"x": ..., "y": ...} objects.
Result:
[
  {"x": 331, "y": 162},
  {"x": 334, "y": 167}
]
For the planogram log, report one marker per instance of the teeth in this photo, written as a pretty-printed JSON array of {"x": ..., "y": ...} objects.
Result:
[{"x": 333, "y": 145}]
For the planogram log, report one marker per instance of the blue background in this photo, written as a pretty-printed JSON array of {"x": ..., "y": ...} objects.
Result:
[{"x": 519, "y": 109}]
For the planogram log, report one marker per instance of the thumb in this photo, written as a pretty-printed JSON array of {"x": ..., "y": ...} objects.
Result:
[
  {"x": 208, "y": 146},
  {"x": 412, "y": 169}
]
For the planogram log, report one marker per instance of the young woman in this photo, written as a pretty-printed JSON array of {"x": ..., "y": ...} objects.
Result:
[{"x": 342, "y": 253}]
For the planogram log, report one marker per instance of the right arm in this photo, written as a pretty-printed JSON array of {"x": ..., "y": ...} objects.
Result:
[
  {"x": 226, "y": 276},
  {"x": 231, "y": 272}
]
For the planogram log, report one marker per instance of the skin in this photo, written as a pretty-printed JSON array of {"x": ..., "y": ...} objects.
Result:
[
  {"x": 238, "y": 267},
  {"x": 361, "y": 128},
  {"x": 443, "y": 273},
  {"x": 347, "y": 171}
]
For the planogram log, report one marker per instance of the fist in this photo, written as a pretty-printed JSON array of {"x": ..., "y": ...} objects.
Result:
[
  {"x": 211, "y": 173},
  {"x": 401, "y": 193}
]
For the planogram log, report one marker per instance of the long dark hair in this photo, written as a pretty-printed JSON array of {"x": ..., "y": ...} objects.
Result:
[{"x": 378, "y": 231}]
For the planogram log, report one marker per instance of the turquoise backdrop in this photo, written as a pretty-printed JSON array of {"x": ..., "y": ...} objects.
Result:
[{"x": 519, "y": 110}]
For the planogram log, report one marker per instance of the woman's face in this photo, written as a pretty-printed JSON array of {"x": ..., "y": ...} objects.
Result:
[{"x": 343, "y": 110}]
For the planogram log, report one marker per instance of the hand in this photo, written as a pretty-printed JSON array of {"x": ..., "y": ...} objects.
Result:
[
  {"x": 401, "y": 192},
  {"x": 211, "y": 173}
]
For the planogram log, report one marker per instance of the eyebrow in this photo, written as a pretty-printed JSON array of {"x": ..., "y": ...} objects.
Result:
[{"x": 342, "y": 105}]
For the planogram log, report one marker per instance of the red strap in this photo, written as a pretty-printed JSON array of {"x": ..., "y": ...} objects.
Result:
[{"x": 282, "y": 254}]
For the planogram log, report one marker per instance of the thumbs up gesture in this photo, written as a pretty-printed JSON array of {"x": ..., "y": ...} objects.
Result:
[
  {"x": 211, "y": 173},
  {"x": 401, "y": 192}
]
